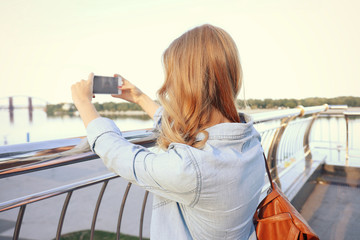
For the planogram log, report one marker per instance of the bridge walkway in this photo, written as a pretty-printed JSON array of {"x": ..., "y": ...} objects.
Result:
[{"x": 332, "y": 206}]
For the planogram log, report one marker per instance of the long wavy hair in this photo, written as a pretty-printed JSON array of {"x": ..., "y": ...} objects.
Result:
[{"x": 202, "y": 74}]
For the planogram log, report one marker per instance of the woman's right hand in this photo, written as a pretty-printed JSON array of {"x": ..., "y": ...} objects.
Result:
[
  {"x": 129, "y": 92},
  {"x": 133, "y": 94}
]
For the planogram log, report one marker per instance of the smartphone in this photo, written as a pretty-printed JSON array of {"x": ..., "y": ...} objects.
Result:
[{"x": 107, "y": 85}]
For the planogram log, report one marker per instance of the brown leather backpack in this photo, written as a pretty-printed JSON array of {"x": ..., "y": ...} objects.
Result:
[{"x": 276, "y": 218}]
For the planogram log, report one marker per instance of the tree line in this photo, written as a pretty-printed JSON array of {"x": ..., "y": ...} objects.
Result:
[
  {"x": 292, "y": 103},
  {"x": 69, "y": 108}
]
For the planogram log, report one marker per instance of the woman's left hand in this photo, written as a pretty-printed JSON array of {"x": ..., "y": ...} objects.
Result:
[{"x": 82, "y": 91}]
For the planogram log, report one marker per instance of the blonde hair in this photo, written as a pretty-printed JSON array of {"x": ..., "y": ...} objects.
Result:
[{"x": 202, "y": 73}]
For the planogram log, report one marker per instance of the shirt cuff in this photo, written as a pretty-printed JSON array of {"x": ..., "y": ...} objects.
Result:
[
  {"x": 98, "y": 127},
  {"x": 157, "y": 117}
]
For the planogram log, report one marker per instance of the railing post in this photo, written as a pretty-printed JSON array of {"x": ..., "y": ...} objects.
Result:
[
  {"x": 122, "y": 211},
  {"x": 30, "y": 109},
  {"x": 306, "y": 141},
  {"x": 347, "y": 140},
  {"x": 11, "y": 109},
  {"x": 63, "y": 213},
  {"x": 97, "y": 207},
  {"x": 272, "y": 153},
  {"x": 19, "y": 222},
  {"x": 347, "y": 115},
  {"x": 142, "y": 215}
]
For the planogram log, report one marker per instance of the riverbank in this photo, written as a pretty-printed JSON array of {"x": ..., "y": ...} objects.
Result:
[{"x": 123, "y": 113}]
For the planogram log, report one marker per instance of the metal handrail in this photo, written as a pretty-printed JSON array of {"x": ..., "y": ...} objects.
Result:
[
  {"x": 275, "y": 115},
  {"x": 4, "y": 206},
  {"x": 288, "y": 113},
  {"x": 14, "y": 160},
  {"x": 346, "y": 115},
  {"x": 27, "y": 157},
  {"x": 338, "y": 106},
  {"x": 315, "y": 109},
  {"x": 352, "y": 113},
  {"x": 44, "y": 155}
]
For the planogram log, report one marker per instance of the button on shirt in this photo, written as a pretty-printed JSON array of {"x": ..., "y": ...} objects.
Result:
[{"x": 208, "y": 193}]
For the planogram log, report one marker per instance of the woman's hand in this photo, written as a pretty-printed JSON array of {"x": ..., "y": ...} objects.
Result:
[
  {"x": 82, "y": 95},
  {"x": 129, "y": 92},
  {"x": 133, "y": 94},
  {"x": 82, "y": 90}
]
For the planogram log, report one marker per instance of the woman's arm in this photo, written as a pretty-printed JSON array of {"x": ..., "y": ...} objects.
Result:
[
  {"x": 172, "y": 174},
  {"x": 158, "y": 173},
  {"x": 82, "y": 95},
  {"x": 133, "y": 94}
]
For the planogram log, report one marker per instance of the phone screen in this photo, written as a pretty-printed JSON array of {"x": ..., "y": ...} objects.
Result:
[{"x": 107, "y": 85}]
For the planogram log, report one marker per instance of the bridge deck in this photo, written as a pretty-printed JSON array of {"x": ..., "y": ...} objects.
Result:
[{"x": 332, "y": 208}]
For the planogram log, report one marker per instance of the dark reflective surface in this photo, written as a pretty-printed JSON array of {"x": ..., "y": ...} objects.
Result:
[{"x": 22, "y": 158}]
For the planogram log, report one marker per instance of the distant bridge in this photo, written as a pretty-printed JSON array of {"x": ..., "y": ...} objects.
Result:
[{"x": 24, "y": 102}]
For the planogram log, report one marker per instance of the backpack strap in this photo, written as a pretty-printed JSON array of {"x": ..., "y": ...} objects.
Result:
[{"x": 268, "y": 172}]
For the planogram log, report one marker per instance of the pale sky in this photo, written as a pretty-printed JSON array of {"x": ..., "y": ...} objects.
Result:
[{"x": 288, "y": 48}]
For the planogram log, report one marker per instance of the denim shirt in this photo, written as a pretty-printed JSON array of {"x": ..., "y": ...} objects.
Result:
[{"x": 208, "y": 193}]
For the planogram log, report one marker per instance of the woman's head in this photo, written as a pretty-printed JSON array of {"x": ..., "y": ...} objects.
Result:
[{"x": 202, "y": 74}]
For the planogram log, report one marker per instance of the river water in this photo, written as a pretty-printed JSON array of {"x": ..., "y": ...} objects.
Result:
[{"x": 41, "y": 127}]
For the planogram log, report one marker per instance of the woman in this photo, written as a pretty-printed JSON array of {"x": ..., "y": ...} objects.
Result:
[{"x": 207, "y": 182}]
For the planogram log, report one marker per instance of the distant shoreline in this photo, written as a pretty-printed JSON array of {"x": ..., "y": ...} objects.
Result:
[{"x": 123, "y": 113}]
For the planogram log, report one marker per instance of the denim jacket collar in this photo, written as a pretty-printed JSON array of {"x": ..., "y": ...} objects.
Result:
[{"x": 228, "y": 130}]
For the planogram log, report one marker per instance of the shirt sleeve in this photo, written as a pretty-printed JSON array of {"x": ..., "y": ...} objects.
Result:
[{"x": 171, "y": 174}]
